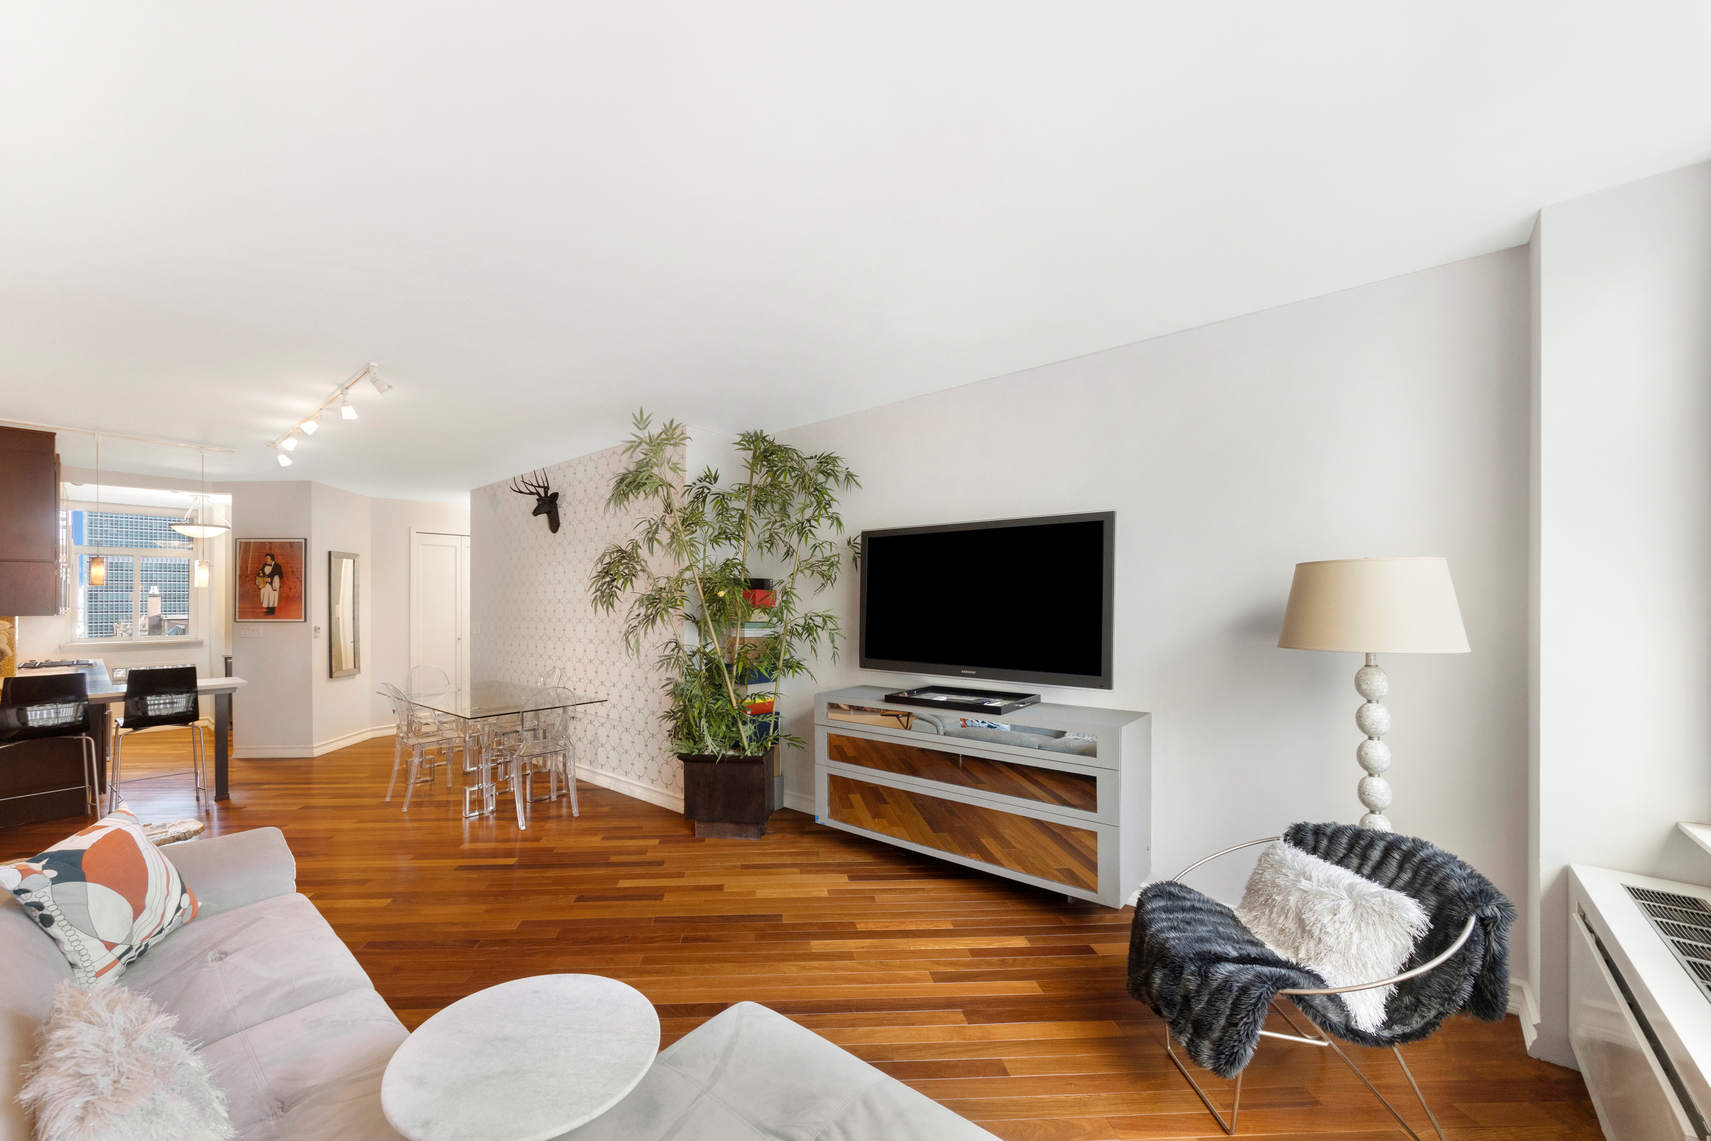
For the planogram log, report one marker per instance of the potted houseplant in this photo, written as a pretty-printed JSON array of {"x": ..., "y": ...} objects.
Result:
[{"x": 730, "y": 637}]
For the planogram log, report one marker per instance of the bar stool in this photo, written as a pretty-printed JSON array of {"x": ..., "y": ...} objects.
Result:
[
  {"x": 160, "y": 698},
  {"x": 50, "y": 705}
]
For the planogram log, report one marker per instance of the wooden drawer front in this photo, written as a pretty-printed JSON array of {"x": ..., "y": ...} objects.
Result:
[
  {"x": 1079, "y": 791},
  {"x": 1045, "y": 849}
]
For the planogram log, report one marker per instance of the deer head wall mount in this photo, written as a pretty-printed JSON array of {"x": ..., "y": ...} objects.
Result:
[{"x": 546, "y": 499}]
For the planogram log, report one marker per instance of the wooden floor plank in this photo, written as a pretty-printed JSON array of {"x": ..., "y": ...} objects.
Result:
[{"x": 1003, "y": 1002}]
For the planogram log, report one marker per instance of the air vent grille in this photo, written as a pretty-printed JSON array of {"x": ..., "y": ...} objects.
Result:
[{"x": 1684, "y": 922}]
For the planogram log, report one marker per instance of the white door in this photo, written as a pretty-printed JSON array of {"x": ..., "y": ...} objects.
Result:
[{"x": 439, "y": 604}]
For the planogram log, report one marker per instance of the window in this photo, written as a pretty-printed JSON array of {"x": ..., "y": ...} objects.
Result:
[{"x": 147, "y": 589}]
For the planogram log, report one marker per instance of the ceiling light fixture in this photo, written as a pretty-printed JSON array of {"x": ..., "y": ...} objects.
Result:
[
  {"x": 97, "y": 563},
  {"x": 200, "y": 528},
  {"x": 340, "y": 399}
]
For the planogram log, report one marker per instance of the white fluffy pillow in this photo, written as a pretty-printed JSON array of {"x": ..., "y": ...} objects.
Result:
[
  {"x": 110, "y": 1068},
  {"x": 1332, "y": 921}
]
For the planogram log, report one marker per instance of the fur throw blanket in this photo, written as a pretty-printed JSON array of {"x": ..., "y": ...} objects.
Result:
[{"x": 1212, "y": 980}]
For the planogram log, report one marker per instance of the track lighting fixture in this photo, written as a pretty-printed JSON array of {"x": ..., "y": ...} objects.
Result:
[{"x": 341, "y": 398}]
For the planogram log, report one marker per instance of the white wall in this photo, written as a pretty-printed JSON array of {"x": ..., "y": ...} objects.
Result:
[
  {"x": 273, "y": 715},
  {"x": 291, "y": 707},
  {"x": 386, "y": 653},
  {"x": 1623, "y": 522},
  {"x": 343, "y": 709},
  {"x": 1387, "y": 419},
  {"x": 530, "y": 614}
]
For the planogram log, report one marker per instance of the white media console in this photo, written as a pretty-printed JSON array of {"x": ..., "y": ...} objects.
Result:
[{"x": 1058, "y": 796}]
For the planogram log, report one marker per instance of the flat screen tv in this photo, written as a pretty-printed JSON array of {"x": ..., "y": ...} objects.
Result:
[{"x": 1012, "y": 599}]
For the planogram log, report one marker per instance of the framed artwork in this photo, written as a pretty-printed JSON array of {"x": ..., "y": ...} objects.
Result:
[{"x": 268, "y": 583}]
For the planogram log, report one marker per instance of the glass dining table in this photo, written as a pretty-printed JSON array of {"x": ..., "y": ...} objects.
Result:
[{"x": 488, "y": 712}]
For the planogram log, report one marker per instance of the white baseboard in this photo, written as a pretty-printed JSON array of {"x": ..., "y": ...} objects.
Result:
[
  {"x": 1524, "y": 1003},
  {"x": 353, "y": 737},
  {"x": 321, "y": 748},
  {"x": 801, "y": 802},
  {"x": 631, "y": 788}
]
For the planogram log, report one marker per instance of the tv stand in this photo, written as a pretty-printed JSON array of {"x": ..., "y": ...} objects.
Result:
[{"x": 1057, "y": 796}]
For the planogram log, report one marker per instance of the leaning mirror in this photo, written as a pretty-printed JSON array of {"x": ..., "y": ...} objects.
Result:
[{"x": 341, "y": 614}]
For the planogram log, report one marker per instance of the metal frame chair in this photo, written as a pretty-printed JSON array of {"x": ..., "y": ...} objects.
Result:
[
  {"x": 157, "y": 698},
  {"x": 47, "y": 706},
  {"x": 1321, "y": 1039}
]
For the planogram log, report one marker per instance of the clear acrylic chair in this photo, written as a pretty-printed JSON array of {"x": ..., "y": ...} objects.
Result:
[
  {"x": 418, "y": 733},
  {"x": 549, "y": 751},
  {"x": 156, "y": 698}
]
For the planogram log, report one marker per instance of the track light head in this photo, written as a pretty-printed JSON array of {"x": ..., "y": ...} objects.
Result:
[
  {"x": 310, "y": 426},
  {"x": 284, "y": 460},
  {"x": 289, "y": 443},
  {"x": 380, "y": 386},
  {"x": 347, "y": 410}
]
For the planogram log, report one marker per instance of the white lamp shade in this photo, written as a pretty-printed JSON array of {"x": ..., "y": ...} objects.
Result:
[{"x": 1374, "y": 606}]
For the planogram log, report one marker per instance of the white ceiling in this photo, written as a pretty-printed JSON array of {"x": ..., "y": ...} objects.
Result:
[{"x": 538, "y": 216}]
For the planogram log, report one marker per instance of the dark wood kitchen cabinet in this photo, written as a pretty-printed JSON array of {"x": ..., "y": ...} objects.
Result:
[{"x": 29, "y": 523}]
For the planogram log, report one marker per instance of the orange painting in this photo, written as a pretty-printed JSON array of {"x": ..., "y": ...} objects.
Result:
[{"x": 268, "y": 583}]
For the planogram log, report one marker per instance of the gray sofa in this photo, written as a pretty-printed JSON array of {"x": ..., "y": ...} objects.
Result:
[{"x": 296, "y": 1035}]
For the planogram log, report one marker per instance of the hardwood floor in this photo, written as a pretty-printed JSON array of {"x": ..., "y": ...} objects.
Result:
[{"x": 1002, "y": 1002}]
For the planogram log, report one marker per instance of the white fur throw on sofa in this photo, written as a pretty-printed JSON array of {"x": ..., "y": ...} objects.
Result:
[
  {"x": 1340, "y": 925},
  {"x": 110, "y": 1068}
]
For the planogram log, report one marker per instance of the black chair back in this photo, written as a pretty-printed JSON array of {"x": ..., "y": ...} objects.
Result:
[
  {"x": 44, "y": 705},
  {"x": 161, "y": 696}
]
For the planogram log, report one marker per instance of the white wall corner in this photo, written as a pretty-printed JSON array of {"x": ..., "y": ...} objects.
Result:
[
  {"x": 800, "y": 801},
  {"x": 320, "y": 748},
  {"x": 355, "y": 736},
  {"x": 1523, "y": 1003},
  {"x": 631, "y": 788}
]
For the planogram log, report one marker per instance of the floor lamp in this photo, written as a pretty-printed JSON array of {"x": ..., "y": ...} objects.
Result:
[{"x": 1372, "y": 607}]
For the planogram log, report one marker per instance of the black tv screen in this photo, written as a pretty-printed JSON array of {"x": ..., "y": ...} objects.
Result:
[{"x": 1015, "y": 599}]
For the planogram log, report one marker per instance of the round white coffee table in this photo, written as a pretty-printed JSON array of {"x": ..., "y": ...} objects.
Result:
[{"x": 522, "y": 1061}]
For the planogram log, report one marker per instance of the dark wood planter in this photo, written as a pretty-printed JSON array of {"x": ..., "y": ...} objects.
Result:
[{"x": 728, "y": 796}]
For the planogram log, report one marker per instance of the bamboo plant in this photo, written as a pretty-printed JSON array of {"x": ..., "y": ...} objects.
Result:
[{"x": 685, "y": 570}]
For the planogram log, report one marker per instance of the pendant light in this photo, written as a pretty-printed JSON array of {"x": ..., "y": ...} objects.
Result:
[
  {"x": 97, "y": 563},
  {"x": 200, "y": 528}
]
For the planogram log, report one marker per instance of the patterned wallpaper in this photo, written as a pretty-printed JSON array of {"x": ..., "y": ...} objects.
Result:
[{"x": 529, "y": 613}]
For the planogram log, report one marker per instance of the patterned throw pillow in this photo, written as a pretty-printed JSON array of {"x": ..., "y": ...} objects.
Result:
[{"x": 105, "y": 895}]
